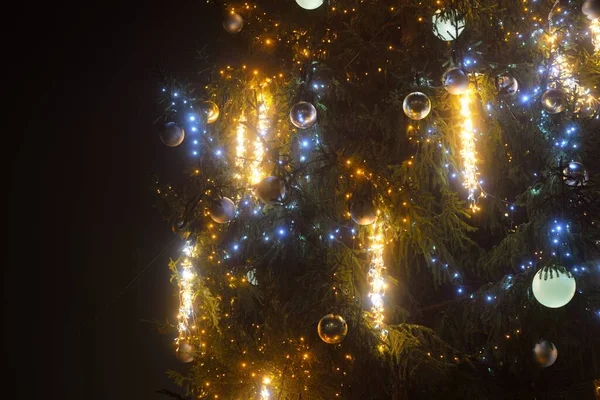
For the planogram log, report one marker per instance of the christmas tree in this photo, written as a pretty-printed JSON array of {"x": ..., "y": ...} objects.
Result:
[{"x": 388, "y": 199}]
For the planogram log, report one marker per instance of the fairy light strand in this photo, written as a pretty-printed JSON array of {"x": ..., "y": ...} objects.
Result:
[
  {"x": 186, "y": 316},
  {"x": 256, "y": 172},
  {"x": 595, "y": 31},
  {"x": 467, "y": 152},
  {"x": 376, "y": 277},
  {"x": 240, "y": 150}
]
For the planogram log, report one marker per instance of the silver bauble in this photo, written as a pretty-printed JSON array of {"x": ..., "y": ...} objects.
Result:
[
  {"x": 233, "y": 22},
  {"x": 309, "y": 4},
  {"x": 185, "y": 351},
  {"x": 554, "y": 101},
  {"x": 416, "y": 106},
  {"x": 575, "y": 174},
  {"x": 507, "y": 84},
  {"x": 172, "y": 134},
  {"x": 588, "y": 108},
  {"x": 448, "y": 25},
  {"x": 591, "y": 9},
  {"x": 545, "y": 353},
  {"x": 251, "y": 277},
  {"x": 222, "y": 210},
  {"x": 208, "y": 112},
  {"x": 332, "y": 329},
  {"x": 303, "y": 115},
  {"x": 270, "y": 190},
  {"x": 363, "y": 212},
  {"x": 455, "y": 81}
]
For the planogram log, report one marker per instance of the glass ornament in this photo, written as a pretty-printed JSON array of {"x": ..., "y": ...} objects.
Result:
[
  {"x": 587, "y": 108},
  {"x": 208, "y": 112},
  {"x": 233, "y": 23},
  {"x": 222, "y": 210},
  {"x": 553, "y": 289},
  {"x": 303, "y": 115},
  {"x": 332, "y": 329},
  {"x": 545, "y": 353},
  {"x": 455, "y": 81},
  {"x": 554, "y": 101},
  {"x": 185, "y": 351},
  {"x": 172, "y": 135},
  {"x": 591, "y": 9},
  {"x": 448, "y": 25},
  {"x": 507, "y": 84},
  {"x": 251, "y": 277},
  {"x": 416, "y": 106},
  {"x": 575, "y": 174},
  {"x": 363, "y": 212},
  {"x": 270, "y": 190},
  {"x": 309, "y": 4}
]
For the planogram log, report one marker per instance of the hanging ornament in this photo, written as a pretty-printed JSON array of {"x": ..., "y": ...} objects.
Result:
[
  {"x": 178, "y": 227},
  {"x": 448, "y": 25},
  {"x": 208, "y": 112},
  {"x": 222, "y": 210},
  {"x": 172, "y": 134},
  {"x": 591, "y": 9},
  {"x": 588, "y": 108},
  {"x": 332, "y": 329},
  {"x": 554, "y": 101},
  {"x": 553, "y": 289},
  {"x": 309, "y": 4},
  {"x": 416, "y": 106},
  {"x": 507, "y": 84},
  {"x": 185, "y": 351},
  {"x": 270, "y": 190},
  {"x": 303, "y": 115},
  {"x": 251, "y": 277},
  {"x": 545, "y": 353},
  {"x": 363, "y": 212},
  {"x": 575, "y": 174},
  {"x": 233, "y": 22},
  {"x": 455, "y": 81}
]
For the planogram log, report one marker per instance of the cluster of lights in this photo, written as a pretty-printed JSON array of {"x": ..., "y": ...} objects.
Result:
[
  {"x": 467, "y": 152},
  {"x": 595, "y": 32},
  {"x": 376, "y": 277},
  {"x": 186, "y": 316}
]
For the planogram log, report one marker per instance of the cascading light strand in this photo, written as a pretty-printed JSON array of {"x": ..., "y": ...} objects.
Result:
[
  {"x": 467, "y": 152},
  {"x": 186, "y": 316},
  {"x": 595, "y": 32},
  {"x": 240, "y": 149},
  {"x": 376, "y": 277},
  {"x": 265, "y": 394},
  {"x": 256, "y": 171}
]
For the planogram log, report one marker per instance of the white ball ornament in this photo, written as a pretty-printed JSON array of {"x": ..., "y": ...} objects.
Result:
[
  {"x": 185, "y": 351},
  {"x": 309, "y": 4},
  {"x": 233, "y": 22},
  {"x": 270, "y": 190},
  {"x": 591, "y": 9},
  {"x": 575, "y": 174},
  {"x": 455, "y": 81},
  {"x": 303, "y": 115},
  {"x": 448, "y": 25},
  {"x": 222, "y": 210},
  {"x": 553, "y": 289},
  {"x": 507, "y": 84},
  {"x": 416, "y": 106},
  {"x": 363, "y": 212},
  {"x": 545, "y": 353}
]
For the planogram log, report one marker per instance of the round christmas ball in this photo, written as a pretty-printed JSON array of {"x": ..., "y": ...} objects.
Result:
[
  {"x": 455, "y": 81},
  {"x": 270, "y": 190},
  {"x": 303, "y": 115},
  {"x": 179, "y": 228},
  {"x": 251, "y": 277},
  {"x": 363, "y": 212},
  {"x": 575, "y": 174},
  {"x": 208, "y": 112},
  {"x": 553, "y": 289},
  {"x": 416, "y": 106},
  {"x": 554, "y": 101},
  {"x": 332, "y": 329},
  {"x": 222, "y": 210},
  {"x": 545, "y": 353},
  {"x": 172, "y": 135},
  {"x": 233, "y": 22},
  {"x": 591, "y": 9},
  {"x": 309, "y": 4},
  {"x": 588, "y": 108},
  {"x": 185, "y": 351},
  {"x": 448, "y": 25},
  {"x": 507, "y": 84}
]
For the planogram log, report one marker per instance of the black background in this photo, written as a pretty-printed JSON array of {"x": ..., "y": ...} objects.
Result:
[{"x": 83, "y": 82}]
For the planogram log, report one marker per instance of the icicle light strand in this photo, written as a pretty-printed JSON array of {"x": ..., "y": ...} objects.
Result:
[
  {"x": 467, "y": 152},
  {"x": 376, "y": 277},
  {"x": 186, "y": 317}
]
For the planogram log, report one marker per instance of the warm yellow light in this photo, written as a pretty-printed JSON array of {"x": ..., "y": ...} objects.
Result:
[
  {"x": 595, "y": 32},
  {"x": 376, "y": 277},
  {"x": 467, "y": 152}
]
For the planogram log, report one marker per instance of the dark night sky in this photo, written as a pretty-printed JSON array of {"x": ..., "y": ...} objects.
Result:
[{"x": 84, "y": 153}]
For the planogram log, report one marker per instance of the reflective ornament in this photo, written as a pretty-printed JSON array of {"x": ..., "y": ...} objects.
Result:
[
  {"x": 309, "y": 4},
  {"x": 447, "y": 25},
  {"x": 554, "y": 101},
  {"x": 455, "y": 81},
  {"x": 233, "y": 22},
  {"x": 332, "y": 329},
  {"x": 208, "y": 112},
  {"x": 222, "y": 210},
  {"x": 416, "y": 106},
  {"x": 270, "y": 190},
  {"x": 172, "y": 134},
  {"x": 588, "y": 108},
  {"x": 591, "y": 9},
  {"x": 363, "y": 212},
  {"x": 545, "y": 353},
  {"x": 303, "y": 115},
  {"x": 178, "y": 228},
  {"x": 251, "y": 277},
  {"x": 575, "y": 174},
  {"x": 507, "y": 84},
  {"x": 553, "y": 289},
  {"x": 185, "y": 351}
]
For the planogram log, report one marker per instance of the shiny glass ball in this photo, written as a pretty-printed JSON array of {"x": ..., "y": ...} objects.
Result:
[
  {"x": 448, "y": 25},
  {"x": 545, "y": 353},
  {"x": 591, "y": 9},
  {"x": 233, "y": 23},
  {"x": 507, "y": 84},
  {"x": 185, "y": 351},
  {"x": 172, "y": 134},
  {"x": 270, "y": 190},
  {"x": 455, "y": 81},
  {"x": 588, "y": 108},
  {"x": 332, "y": 329},
  {"x": 553, "y": 289},
  {"x": 575, "y": 174},
  {"x": 222, "y": 210},
  {"x": 416, "y": 106},
  {"x": 363, "y": 212},
  {"x": 309, "y": 4},
  {"x": 554, "y": 101},
  {"x": 303, "y": 115},
  {"x": 208, "y": 112}
]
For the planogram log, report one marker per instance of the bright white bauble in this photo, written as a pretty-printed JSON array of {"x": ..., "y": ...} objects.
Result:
[
  {"x": 554, "y": 101},
  {"x": 416, "y": 106},
  {"x": 251, "y": 277},
  {"x": 455, "y": 81},
  {"x": 448, "y": 25},
  {"x": 185, "y": 351},
  {"x": 363, "y": 212},
  {"x": 507, "y": 84},
  {"x": 233, "y": 23},
  {"x": 172, "y": 134},
  {"x": 303, "y": 115},
  {"x": 222, "y": 210},
  {"x": 309, "y": 4},
  {"x": 270, "y": 190},
  {"x": 591, "y": 9},
  {"x": 554, "y": 290},
  {"x": 575, "y": 174},
  {"x": 545, "y": 353}
]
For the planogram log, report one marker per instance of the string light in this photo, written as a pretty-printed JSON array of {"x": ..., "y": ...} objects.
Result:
[
  {"x": 376, "y": 277},
  {"x": 186, "y": 316},
  {"x": 467, "y": 152},
  {"x": 240, "y": 149},
  {"x": 595, "y": 31},
  {"x": 256, "y": 172}
]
